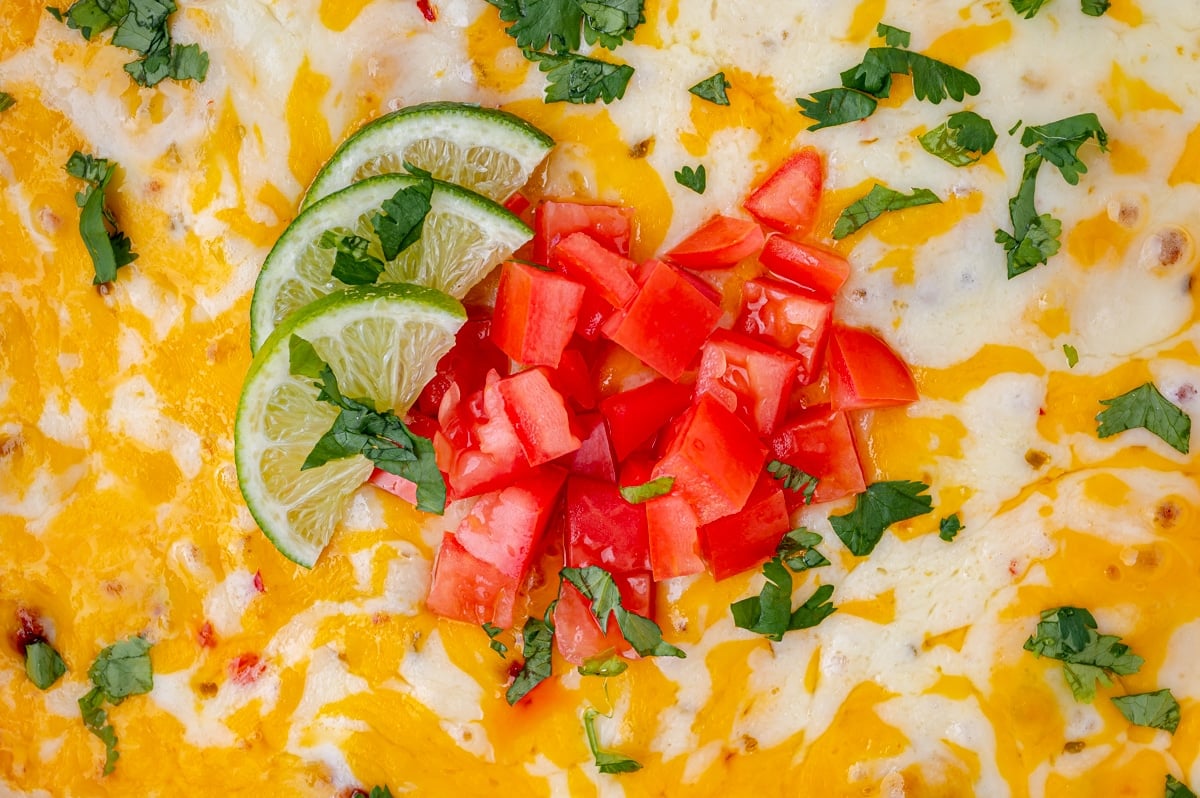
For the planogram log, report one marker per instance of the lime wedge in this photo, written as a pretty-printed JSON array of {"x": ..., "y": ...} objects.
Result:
[
  {"x": 464, "y": 237},
  {"x": 489, "y": 151},
  {"x": 383, "y": 343}
]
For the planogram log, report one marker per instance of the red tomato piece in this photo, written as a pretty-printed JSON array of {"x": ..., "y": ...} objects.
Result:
[
  {"x": 750, "y": 536},
  {"x": 538, "y": 415},
  {"x": 791, "y": 319},
  {"x": 603, "y": 529},
  {"x": 819, "y": 442},
  {"x": 477, "y": 447},
  {"x": 592, "y": 315},
  {"x": 638, "y": 469},
  {"x": 504, "y": 527},
  {"x": 666, "y": 323},
  {"x": 517, "y": 204},
  {"x": 609, "y": 275},
  {"x": 245, "y": 669},
  {"x": 714, "y": 458},
  {"x": 719, "y": 243},
  {"x": 674, "y": 533},
  {"x": 637, "y": 592},
  {"x": 634, "y": 416},
  {"x": 818, "y": 269},
  {"x": 864, "y": 372},
  {"x": 750, "y": 378},
  {"x": 573, "y": 379},
  {"x": 467, "y": 364},
  {"x": 789, "y": 199},
  {"x": 397, "y": 486},
  {"x": 594, "y": 457},
  {"x": 535, "y": 315},
  {"x": 553, "y": 221},
  {"x": 577, "y": 633},
  {"x": 466, "y": 588}
]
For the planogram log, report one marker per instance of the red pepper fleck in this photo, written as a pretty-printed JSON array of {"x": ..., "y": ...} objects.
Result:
[
  {"x": 29, "y": 630},
  {"x": 205, "y": 635},
  {"x": 246, "y": 668},
  {"x": 427, "y": 10},
  {"x": 258, "y": 582}
]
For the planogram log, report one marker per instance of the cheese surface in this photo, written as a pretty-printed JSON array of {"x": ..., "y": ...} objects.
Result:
[{"x": 120, "y": 512}]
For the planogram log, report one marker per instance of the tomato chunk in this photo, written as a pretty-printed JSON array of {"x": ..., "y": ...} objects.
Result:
[
  {"x": 790, "y": 318},
  {"x": 864, "y": 372},
  {"x": 603, "y": 529},
  {"x": 504, "y": 527},
  {"x": 538, "y": 415},
  {"x": 594, "y": 457},
  {"x": 466, "y": 588},
  {"x": 715, "y": 460},
  {"x": 819, "y": 442},
  {"x": 634, "y": 416},
  {"x": 466, "y": 365},
  {"x": 750, "y": 536},
  {"x": 553, "y": 221},
  {"x": 719, "y": 243},
  {"x": 750, "y": 378},
  {"x": 582, "y": 258},
  {"x": 535, "y": 314},
  {"x": 395, "y": 485},
  {"x": 666, "y": 323},
  {"x": 674, "y": 533},
  {"x": 818, "y": 269},
  {"x": 477, "y": 446},
  {"x": 577, "y": 633},
  {"x": 592, "y": 314},
  {"x": 637, "y": 592},
  {"x": 790, "y": 198}
]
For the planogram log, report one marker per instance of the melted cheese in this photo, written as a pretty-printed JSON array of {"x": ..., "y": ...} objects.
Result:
[{"x": 120, "y": 513}]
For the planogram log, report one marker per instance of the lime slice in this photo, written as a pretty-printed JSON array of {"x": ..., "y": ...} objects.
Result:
[
  {"x": 464, "y": 237},
  {"x": 383, "y": 343},
  {"x": 489, "y": 151}
]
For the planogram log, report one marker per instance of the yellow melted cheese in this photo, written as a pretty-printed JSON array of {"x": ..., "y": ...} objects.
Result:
[{"x": 120, "y": 513}]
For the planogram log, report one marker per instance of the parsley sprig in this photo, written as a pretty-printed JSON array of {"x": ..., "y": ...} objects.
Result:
[
  {"x": 121, "y": 670},
  {"x": 1146, "y": 408},
  {"x": 109, "y": 248},
  {"x": 1069, "y": 634}
]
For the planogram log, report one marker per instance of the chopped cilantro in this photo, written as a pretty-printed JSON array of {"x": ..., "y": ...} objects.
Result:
[
  {"x": 598, "y": 587},
  {"x": 1058, "y": 142},
  {"x": 492, "y": 631},
  {"x": 578, "y": 79},
  {"x": 770, "y": 613},
  {"x": 352, "y": 263},
  {"x": 606, "y": 761},
  {"x": 695, "y": 179},
  {"x": 1030, "y": 8},
  {"x": 402, "y": 217},
  {"x": 833, "y": 107},
  {"x": 875, "y": 509},
  {"x": 538, "y": 649},
  {"x": 1157, "y": 710},
  {"x": 949, "y": 527},
  {"x": 109, "y": 248},
  {"x": 611, "y": 22},
  {"x": 798, "y": 550},
  {"x": 1094, "y": 8},
  {"x": 1072, "y": 355},
  {"x": 1069, "y": 634},
  {"x": 961, "y": 140},
  {"x": 121, "y": 670},
  {"x": 637, "y": 494},
  {"x": 43, "y": 665},
  {"x": 877, "y": 202},
  {"x": 713, "y": 89},
  {"x": 793, "y": 479},
  {"x": 607, "y": 664},
  {"x": 1177, "y": 789},
  {"x": 380, "y": 791},
  {"x": 1148, "y": 409},
  {"x": 893, "y": 37},
  {"x": 6, "y": 101},
  {"x": 359, "y": 428},
  {"x": 542, "y": 24}
]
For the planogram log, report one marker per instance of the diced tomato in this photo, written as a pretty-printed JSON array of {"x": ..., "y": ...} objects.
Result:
[
  {"x": 397, "y": 486},
  {"x": 818, "y": 269},
  {"x": 637, "y": 469},
  {"x": 517, "y": 204},
  {"x": 246, "y": 668},
  {"x": 577, "y": 633},
  {"x": 603, "y": 529},
  {"x": 666, "y": 323},
  {"x": 714, "y": 458},
  {"x": 674, "y": 533},
  {"x": 466, "y": 588},
  {"x": 720, "y": 242},
  {"x": 790, "y": 198},
  {"x": 553, "y": 221},
  {"x": 535, "y": 314},
  {"x": 634, "y": 416},
  {"x": 819, "y": 442},
  {"x": 504, "y": 527},
  {"x": 637, "y": 592},
  {"x": 573, "y": 379},
  {"x": 477, "y": 446},
  {"x": 864, "y": 372},
  {"x": 790, "y": 318},
  {"x": 538, "y": 415},
  {"x": 592, "y": 315},
  {"x": 582, "y": 258},
  {"x": 594, "y": 457},
  {"x": 750, "y": 378},
  {"x": 750, "y": 536},
  {"x": 467, "y": 364}
]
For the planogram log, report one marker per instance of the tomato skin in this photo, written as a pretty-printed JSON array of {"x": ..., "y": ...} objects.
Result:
[
  {"x": 674, "y": 533},
  {"x": 577, "y": 633},
  {"x": 603, "y": 529},
  {"x": 666, "y": 323},
  {"x": 505, "y": 526},
  {"x": 719, "y": 243},
  {"x": 593, "y": 312},
  {"x": 818, "y": 269},
  {"x": 819, "y": 442},
  {"x": 397, "y": 486},
  {"x": 467, "y": 364},
  {"x": 609, "y": 275},
  {"x": 750, "y": 536},
  {"x": 748, "y": 377},
  {"x": 792, "y": 319},
  {"x": 634, "y": 416},
  {"x": 594, "y": 457},
  {"x": 864, "y": 372},
  {"x": 637, "y": 592},
  {"x": 466, "y": 588},
  {"x": 535, "y": 316},
  {"x": 553, "y": 221},
  {"x": 790, "y": 198},
  {"x": 538, "y": 415},
  {"x": 715, "y": 460}
]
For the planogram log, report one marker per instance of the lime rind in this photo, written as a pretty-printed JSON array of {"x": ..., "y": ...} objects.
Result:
[
  {"x": 464, "y": 237},
  {"x": 488, "y": 150},
  {"x": 383, "y": 342}
]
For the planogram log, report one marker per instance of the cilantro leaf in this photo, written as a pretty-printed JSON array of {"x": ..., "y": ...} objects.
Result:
[
  {"x": 961, "y": 140},
  {"x": 602, "y": 665},
  {"x": 90, "y": 17},
  {"x": 637, "y": 494},
  {"x": 1094, "y": 8},
  {"x": 695, "y": 179},
  {"x": 95, "y": 719},
  {"x": 949, "y": 527},
  {"x": 1058, "y": 142},
  {"x": 492, "y": 631},
  {"x": 180, "y": 62},
  {"x": 542, "y": 24},
  {"x": 120, "y": 670},
  {"x": 1035, "y": 237},
  {"x": 380, "y": 791},
  {"x": 109, "y": 248},
  {"x": 611, "y": 22},
  {"x": 538, "y": 650},
  {"x": 770, "y": 612},
  {"x": 1157, "y": 710},
  {"x": 893, "y": 37},
  {"x": 798, "y": 550},
  {"x": 877, "y": 202},
  {"x": 832, "y": 107},
  {"x": 578, "y": 79},
  {"x": 43, "y": 665},
  {"x": 1069, "y": 634},
  {"x": 1177, "y": 789},
  {"x": 1148, "y": 409},
  {"x": 598, "y": 587},
  {"x": 606, "y": 761},
  {"x": 1030, "y": 8},
  {"x": 6, "y": 101},
  {"x": 794, "y": 479},
  {"x": 1072, "y": 355},
  {"x": 875, "y": 509},
  {"x": 402, "y": 216},
  {"x": 932, "y": 80},
  {"x": 352, "y": 264},
  {"x": 713, "y": 89}
]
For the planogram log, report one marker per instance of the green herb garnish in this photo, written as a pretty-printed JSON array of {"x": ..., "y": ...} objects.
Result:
[
  {"x": 1146, "y": 408},
  {"x": 695, "y": 179},
  {"x": 109, "y": 248},
  {"x": 877, "y": 202},
  {"x": 713, "y": 89},
  {"x": 1069, "y": 634},
  {"x": 875, "y": 509}
]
